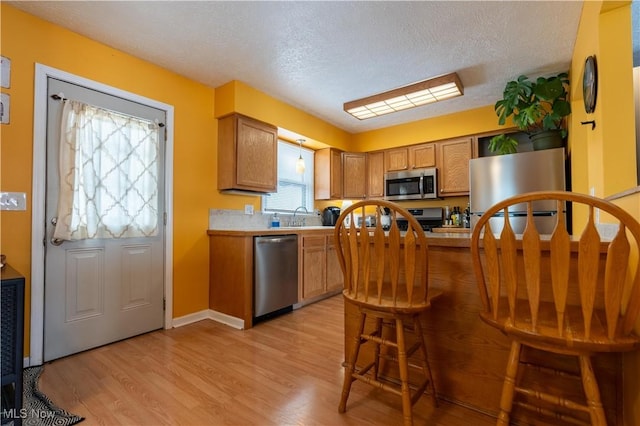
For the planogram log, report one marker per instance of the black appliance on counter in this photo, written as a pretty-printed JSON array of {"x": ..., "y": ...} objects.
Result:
[
  {"x": 428, "y": 218},
  {"x": 330, "y": 215}
]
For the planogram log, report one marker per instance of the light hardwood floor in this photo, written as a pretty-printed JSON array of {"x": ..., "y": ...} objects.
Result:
[{"x": 286, "y": 371}]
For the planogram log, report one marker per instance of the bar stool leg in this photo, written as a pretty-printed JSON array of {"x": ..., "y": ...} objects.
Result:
[
  {"x": 351, "y": 366},
  {"x": 404, "y": 373},
  {"x": 591, "y": 391},
  {"x": 376, "y": 360},
  {"x": 426, "y": 368},
  {"x": 506, "y": 401}
]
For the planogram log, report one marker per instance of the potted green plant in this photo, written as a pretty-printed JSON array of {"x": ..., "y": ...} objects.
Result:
[
  {"x": 536, "y": 107},
  {"x": 503, "y": 144}
]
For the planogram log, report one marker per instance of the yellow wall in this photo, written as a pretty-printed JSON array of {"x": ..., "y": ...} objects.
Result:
[
  {"x": 236, "y": 96},
  {"x": 469, "y": 122},
  {"x": 604, "y": 158},
  {"x": 27, "y": 40}
]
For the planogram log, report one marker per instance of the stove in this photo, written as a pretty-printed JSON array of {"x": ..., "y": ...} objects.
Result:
[{"x": 428, "y": 217}]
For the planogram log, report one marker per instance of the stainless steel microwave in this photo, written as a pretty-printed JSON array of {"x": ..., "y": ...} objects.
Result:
[{"x": 411, "y": 184}]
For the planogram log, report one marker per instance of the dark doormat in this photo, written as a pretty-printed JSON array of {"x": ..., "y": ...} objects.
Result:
[{"x": 37, "y": 408}]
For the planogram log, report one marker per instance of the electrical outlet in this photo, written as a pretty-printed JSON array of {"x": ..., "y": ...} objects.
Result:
[
  {"x": 13, "y": 201},
  {"x": 248, "y": 209}
]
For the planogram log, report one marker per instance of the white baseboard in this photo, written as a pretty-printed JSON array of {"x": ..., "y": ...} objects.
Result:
[
  {"x": 211, "y": 315},
  {"x": 227, "y": 319},
  {"x": 191, "y": 318}
]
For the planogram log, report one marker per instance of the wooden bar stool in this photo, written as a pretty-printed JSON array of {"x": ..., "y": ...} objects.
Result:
[
  {"x": 386, "y": 277},
  {"x": 535, "y": 295}
]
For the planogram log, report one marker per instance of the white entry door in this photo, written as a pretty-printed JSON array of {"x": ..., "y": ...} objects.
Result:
[{"x": 103, "y": 288}]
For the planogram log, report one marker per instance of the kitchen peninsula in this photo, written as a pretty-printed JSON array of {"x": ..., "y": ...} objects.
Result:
[{"x": 467, "y": 357}]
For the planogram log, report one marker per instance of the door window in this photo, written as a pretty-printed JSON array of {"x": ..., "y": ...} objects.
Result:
[{"x": 109, "y": 165}]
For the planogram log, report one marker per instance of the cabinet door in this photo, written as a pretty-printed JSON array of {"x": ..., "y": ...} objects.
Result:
[
  {"x": 453, "y": 166},
  {"x": 354, "y": 182},
  {"x": 327, "y": 174},
  {"x": 396, "y": 159},
  {"x": 336, "y": 174},
  {"x": 375, "y": 174},
  {"x": 313, "y": 266},
  {"x": 247, "y": 154},
  {"x": 335, "y": 278},
  {"x": 257, "y": 151},
  {"x": 421, "y": 156}
]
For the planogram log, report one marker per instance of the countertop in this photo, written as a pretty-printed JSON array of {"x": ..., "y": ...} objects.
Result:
[{"x": 442, "y": 239}]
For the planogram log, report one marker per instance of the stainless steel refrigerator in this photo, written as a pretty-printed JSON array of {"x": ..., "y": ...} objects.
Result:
[{"x": 495, "y": 178}]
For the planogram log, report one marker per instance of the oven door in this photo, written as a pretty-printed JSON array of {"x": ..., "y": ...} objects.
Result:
[{"x": 403, "y": 186}]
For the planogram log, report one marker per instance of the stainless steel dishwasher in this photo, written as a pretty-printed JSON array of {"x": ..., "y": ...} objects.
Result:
[{"x": 275, "y": 271}]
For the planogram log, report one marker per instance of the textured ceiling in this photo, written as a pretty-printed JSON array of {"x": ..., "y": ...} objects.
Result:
[{"x": 318, "y": 55}]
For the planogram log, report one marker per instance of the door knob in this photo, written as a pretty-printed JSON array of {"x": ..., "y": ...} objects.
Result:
[{"x": 56, "y": 241}]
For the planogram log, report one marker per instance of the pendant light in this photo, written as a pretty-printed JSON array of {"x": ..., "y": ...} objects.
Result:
[{"x": 300, "y": 167}]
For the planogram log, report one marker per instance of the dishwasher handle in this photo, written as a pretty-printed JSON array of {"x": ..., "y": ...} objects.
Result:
[{"x": 277, "y": 239}]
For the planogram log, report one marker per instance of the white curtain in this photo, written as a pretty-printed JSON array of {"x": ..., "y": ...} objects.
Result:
[{"x": 109, "y": 165}]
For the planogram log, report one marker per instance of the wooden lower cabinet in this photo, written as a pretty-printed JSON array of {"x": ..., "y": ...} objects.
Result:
[
  {"x": 231, "y": 271},
  {"x": 321, "y": 273},
  {"x": 231, "y": 276},
  {"x": 314, "y": 268},
  {"x": 335, "y": 279}
]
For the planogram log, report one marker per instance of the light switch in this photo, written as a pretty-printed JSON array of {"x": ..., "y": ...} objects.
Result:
[
  {"x": 248, "y": 209},
  {"x": 13, "y": 201}
]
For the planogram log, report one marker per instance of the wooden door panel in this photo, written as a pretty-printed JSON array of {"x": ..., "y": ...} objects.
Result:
[
  {"x": 422, "y": 156},
  {"x": 84, "y": 296},
  {"x": 354, "y": 183}
]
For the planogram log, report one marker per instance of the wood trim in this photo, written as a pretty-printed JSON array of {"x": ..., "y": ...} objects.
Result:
[{"x": 623, "y": 194}]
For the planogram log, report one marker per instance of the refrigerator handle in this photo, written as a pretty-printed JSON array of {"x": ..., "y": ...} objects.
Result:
[{"x": 544, "y": 213}]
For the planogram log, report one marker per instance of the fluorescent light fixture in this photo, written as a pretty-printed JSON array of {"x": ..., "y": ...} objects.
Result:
[{"x": 416, "y": 94}]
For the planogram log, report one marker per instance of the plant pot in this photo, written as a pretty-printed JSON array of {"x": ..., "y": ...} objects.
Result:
[{"x": 548, "y": 139}]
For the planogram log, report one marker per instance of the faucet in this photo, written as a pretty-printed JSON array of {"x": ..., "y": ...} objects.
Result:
[{"x": 296, "y": 211}]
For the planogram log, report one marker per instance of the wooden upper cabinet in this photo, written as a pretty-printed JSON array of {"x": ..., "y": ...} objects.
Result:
[
  {"x": 375, "y": 174},
  {"x": 327, "y": 174},
  {"x": 423, "y": 155},
  {"x": 410, "y": 157},
  {"x": 247, "y": 154},
  {"x": 354, "y": 172},
  {"x": 453, "y": 166},
  {"x": 396, "y": 159}
]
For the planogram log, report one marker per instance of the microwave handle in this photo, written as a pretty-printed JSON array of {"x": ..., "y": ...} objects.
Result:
[{"x": 421, "y": 185}]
